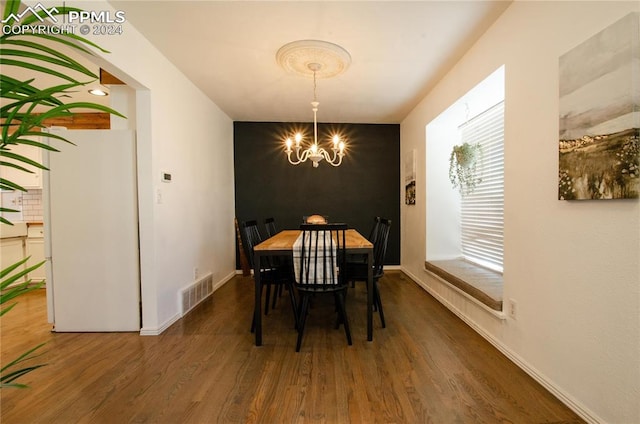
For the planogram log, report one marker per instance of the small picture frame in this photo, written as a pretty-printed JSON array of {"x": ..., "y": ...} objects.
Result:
[{"x": 410, "y": 178}]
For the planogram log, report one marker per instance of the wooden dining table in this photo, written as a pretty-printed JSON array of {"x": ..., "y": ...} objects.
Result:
[{"x": 282, "y": 244}]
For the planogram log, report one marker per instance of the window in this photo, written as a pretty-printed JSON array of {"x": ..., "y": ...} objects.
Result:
[
  {"x": 469, "y": 227},
  {"x": 482, "y": 211}
]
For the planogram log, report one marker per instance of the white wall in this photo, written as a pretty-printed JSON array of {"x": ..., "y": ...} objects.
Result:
[
  {"x": 572, "y": 267},
  {"x": 181, "y": 131}
]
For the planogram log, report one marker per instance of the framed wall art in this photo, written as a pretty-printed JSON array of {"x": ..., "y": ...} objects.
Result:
[
  {"x": 410, "y": 178},
  {"x": 600, "y": 115}
]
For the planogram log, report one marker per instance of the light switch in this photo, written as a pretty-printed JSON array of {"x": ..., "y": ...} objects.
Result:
[{"x": 165, "y": 177}]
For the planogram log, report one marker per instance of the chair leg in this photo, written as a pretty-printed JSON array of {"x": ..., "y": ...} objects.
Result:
[
  {"x": 340, "y": 318},
  {"x": 378, "y": 301},
  {"x": 294, "y": 305},
  {"x": 277, "y": 292},
  {"x": 302, "y": 318},
  {"x": 343, "y": 311}
]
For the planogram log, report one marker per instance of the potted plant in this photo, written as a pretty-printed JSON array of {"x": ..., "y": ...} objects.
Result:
[
  {"x": 463, "y": 167},
  {"x": 19, "y": 123}
]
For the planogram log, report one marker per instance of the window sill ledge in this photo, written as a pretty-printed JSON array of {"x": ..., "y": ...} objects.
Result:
[{"x": 478, "y": 282}]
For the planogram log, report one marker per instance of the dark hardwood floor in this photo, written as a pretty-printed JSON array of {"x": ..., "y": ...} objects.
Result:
[{"x": 427, "y": 366}]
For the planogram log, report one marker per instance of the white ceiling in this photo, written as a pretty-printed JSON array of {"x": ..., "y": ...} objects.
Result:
[{"x": 399, "y": 51}]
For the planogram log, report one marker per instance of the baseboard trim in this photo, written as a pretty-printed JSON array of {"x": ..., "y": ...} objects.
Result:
[
  {"x": 156, "y": 331},
  {"x": 151, "y": 331},
  {"x": 576, "y": 406},
  {"x": 224, "y": 280}
]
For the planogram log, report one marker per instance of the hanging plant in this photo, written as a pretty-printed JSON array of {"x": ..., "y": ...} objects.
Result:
[{"x": 463, "y": 167}]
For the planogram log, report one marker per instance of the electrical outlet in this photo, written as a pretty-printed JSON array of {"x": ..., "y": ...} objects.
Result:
[
  {"x": 195, "y": 273},
  {"x": 513, "y": 308}
]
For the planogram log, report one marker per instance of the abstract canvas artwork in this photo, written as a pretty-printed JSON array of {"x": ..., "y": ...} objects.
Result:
[{"x": 600, "y": 115}]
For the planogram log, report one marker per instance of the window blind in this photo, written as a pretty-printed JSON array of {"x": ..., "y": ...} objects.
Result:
[{"x": 482, "y": 211}]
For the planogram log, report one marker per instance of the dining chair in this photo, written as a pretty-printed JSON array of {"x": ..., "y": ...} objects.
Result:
[
  {"x": 270, "y": 274},
  {"x": 357, "y": 270},
  {"x": 319, "y": 261},
  {"x": 373, "y": 233},
  {"x": 281, "y": 262},
  {"x": 270, "y": 226}
]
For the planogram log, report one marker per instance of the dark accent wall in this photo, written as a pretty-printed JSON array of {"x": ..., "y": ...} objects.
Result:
[{"x": 367, "y": 184}]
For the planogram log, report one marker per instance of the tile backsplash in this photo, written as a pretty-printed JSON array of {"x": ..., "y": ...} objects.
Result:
[
  {"x": 28, "y": 204},
  {"x": 32, "y": 206}
]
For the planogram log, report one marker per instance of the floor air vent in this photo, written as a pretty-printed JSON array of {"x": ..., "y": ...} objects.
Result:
[{"x": 192, "y": 295}]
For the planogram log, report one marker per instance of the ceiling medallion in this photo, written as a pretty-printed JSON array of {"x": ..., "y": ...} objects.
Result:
[{"x": 298, "y": 55}]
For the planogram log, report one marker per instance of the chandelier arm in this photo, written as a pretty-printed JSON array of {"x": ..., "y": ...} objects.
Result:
[
  {"x": 336, "y": 156},
  {"x": 336, "y": 163},
  {"x": 290, "y": 161},
  {"x": 304, "y": 156}
]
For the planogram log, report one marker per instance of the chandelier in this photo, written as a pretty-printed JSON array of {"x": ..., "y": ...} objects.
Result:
[
  {"x": 318, "y": 58},
  {"x": 314, "y": 152}
]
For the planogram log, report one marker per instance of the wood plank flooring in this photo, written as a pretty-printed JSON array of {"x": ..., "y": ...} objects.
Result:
[{"x": 427, "y": 366}]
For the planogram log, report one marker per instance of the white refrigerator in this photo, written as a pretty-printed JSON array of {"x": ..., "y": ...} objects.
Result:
[{"x": 91, "y": 232}]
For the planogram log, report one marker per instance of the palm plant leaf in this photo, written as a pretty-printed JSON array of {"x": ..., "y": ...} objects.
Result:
[
  {"x": 11, "y": 8},
  {"x": 33, "y": 52},
  {"x": 14, "y": 165},
  {"x": 52, "y": 54},
  {"x": 23, "y": 159},
  {"x": 7, "y": 378},
  {"x": 9, "y": 185},
  {"x": 32, "y": 55},
  {"x": 26, "y": 94},
  {"x": 3, "y": 219},
  {"x": 38, "y": 144},
  {"x": 28, "y": 120},
  {"x": 34, "y": 67},
  {"x": 77, "y": 105},
  {"x": 20, "y": 289},
  {"x": 11, "y": 88},
  {"x": 70, "y": 41},
  {"x": 12, "y": 278},
  {"x": 27, "y": 97}
]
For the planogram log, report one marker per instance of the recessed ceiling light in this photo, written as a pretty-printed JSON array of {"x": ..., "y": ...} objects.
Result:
[{"x": 98, "y": 92}]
